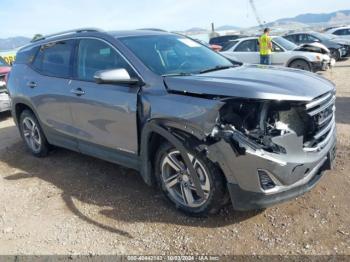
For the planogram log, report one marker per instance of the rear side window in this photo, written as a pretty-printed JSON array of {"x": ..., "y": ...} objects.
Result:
[
  {"x": 248, "y": 46},
  {"x": 95, "y": 55},
  {"x": 229, "y": 45},
  {"x": 55, "y": 59},
  {"x": 26, "y": 56},
  {"x": 342, "y": 32}
]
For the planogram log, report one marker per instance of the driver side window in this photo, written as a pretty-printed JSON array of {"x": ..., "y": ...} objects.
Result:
[
  {"x": 311, "y": 39},
  {"x": 276, "y": 48},
  {"x": 95, "y": 55},
  {"x": 248, "y": 46}
]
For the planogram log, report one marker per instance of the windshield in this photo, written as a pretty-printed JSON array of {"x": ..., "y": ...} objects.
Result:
[
  {"x": 323, "y": 36},
  {"x": 173, "y": 54},
  {"x": 288, "y": 45}
]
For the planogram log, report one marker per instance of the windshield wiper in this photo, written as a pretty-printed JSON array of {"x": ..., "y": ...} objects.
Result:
[
  {"x": 217, "y": 68},
  {"x": 178, "y": 74}
]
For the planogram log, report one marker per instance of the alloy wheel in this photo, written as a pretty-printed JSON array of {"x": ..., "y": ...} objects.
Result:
[
  {"x": 31, "y": 134},
  {"x": 177, "y": 180}
]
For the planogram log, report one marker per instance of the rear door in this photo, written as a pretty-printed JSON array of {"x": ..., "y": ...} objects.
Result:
[
  {"x": 104, "y": 114},
  {"x": 247, "y": 51},
  {"x": 48, "y": 87}
]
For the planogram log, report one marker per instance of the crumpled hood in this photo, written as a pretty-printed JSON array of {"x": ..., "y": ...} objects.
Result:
[
  {"x": 254, "y": 82},
  {"x": 313, "y": 47}
]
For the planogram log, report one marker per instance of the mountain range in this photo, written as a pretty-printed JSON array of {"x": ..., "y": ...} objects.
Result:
[
  {"x": 13, "y": 42},
  {"x": 342, "y": 16}
]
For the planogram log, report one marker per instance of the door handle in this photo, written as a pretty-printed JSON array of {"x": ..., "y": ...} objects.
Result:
[
  {"x": 31, "y": 84},
  {"x": 78, "y": 91}
]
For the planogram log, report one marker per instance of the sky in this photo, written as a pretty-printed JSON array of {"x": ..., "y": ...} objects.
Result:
[{"x": 28, "y": 17}]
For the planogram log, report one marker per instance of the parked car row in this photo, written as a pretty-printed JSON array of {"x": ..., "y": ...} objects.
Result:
[
  {"x": 310, "y": 51},
  {"x": 285, "y": 53}
]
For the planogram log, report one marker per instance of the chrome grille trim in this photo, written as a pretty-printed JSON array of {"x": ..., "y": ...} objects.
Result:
[
  {"x": 322, "y": 107},
  {"x": 324, "y": 130},
  {"x": 322, "y": 112},
  {"x": 318, "y": 101},
  {"x": 322, "y": 144}
]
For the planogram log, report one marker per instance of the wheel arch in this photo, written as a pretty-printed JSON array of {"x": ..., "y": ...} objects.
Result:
[
  {"x": 18, "y": 106},
  {"x": 157, "y": 131},
  {"x": 301, "y": 58}
]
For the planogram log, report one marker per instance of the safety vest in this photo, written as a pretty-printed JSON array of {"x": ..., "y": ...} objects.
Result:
[{"x": 264, "y": 42}]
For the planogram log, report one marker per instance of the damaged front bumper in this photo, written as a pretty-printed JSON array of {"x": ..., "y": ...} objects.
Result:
[
  {"x": 258, "y": 179},
  {"x": 322, "y": 65},
  {"x": 290, "y": 178}
]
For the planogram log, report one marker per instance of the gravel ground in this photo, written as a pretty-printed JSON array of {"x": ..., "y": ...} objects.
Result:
[{"x": 72, "y": 204}]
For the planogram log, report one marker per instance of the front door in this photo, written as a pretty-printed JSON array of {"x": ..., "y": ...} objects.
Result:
[
  {"x": 247, "y": 51},
  {"x": 104, "y": 114},
  {"x": 278, "y": 55}
]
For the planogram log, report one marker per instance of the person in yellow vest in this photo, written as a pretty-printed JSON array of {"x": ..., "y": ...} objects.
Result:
[{"x": 265, "y": 47}]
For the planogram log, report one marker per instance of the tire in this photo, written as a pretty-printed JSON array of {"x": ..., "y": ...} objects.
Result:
[
  {"x": 301, "y": 64},
  {"x": 180, "y": 191},
  {"x": 335, "y": 54},
  {"x": 33, "y": 135}
]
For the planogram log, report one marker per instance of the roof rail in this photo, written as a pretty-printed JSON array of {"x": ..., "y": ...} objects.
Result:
[
  {"x": 79, "y": 30},
  {"x": 153, "y": 29}
]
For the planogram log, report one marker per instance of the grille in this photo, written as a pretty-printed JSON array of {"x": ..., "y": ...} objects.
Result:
[{"x": 321, "y": 112}]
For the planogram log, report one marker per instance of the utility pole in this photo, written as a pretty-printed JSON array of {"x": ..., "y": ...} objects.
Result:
[{"x": 255, "y": 11}]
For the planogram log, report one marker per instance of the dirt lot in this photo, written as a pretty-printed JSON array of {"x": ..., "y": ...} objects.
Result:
[{"x": 73, "y": 204}]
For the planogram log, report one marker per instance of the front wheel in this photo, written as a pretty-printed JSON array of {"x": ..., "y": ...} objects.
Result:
[
  {"x": 32, "y": 134},
  {"x": 335, "y": 54},
  {"x": 301, "y": 64},
  {"x": 176, "y": 183}
]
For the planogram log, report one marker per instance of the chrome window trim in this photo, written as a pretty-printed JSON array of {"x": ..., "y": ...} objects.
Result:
[{"x": 90, "y": 37}]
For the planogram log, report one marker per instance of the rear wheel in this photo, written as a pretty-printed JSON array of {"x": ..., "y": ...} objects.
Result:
[
  {"x": 32, "y": 134},
  {"x": 301, "y": 64},
  {"x": 176, "y": 183}
]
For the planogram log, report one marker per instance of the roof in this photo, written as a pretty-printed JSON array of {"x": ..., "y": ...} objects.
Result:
[
  {"x": 253, "y": 37},
  {"x": 333, "y": 29}
]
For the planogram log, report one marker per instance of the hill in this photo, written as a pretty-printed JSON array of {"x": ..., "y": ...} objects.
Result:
[{"x": 13, "y": 42}]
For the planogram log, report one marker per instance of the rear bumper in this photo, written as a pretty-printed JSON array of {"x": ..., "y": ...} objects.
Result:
[{"x": 243, "y": 200}]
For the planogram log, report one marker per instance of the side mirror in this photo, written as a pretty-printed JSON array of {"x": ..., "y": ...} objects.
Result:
[{"x": 115, "y": 76}]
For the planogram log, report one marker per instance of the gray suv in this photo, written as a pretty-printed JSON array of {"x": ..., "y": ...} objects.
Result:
[{"x": 203, "y": 128}]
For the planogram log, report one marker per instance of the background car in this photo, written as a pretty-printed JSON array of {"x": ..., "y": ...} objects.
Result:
[
  {"x": 285, "y": 53},
  {"x": 4, "y": 70},
  {"x": 343, "y": 31},
  {"x": 5, "y": 104},
  {"x": 338, "y": 48}
]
